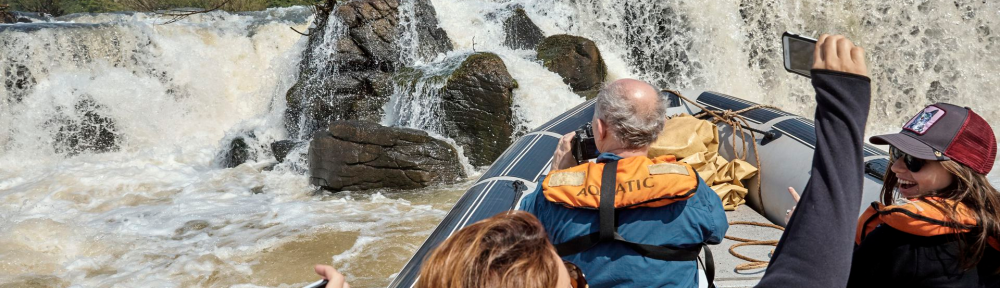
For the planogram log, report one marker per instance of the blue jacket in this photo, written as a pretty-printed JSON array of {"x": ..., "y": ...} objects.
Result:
[{"x": 700, "y": 219}]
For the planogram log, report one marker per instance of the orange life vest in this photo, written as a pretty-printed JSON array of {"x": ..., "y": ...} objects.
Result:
[
  {"x": 918, "y": 218},
  {"x": 640, "y": 182}
]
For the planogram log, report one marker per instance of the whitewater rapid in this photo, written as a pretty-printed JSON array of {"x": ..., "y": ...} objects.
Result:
[{"x": 161, "y": 212}]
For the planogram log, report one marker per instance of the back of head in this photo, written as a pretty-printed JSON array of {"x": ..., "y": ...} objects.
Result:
[
  {"x": 633, "y": 111},
  {"x": 506, "y": 250}
]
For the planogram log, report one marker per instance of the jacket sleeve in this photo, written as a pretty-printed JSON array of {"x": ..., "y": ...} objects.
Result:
[
  {"x": 713, "y": 217},
  {"x": 818, "y": 243}
]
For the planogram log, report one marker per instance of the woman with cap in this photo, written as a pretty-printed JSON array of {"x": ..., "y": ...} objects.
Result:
[{"x": 937, "y": 224}]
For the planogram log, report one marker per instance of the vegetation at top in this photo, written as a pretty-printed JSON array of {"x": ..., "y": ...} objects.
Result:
[{"x": 63, "y": 7}]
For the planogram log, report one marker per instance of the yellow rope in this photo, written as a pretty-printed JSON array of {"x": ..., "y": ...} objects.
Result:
[{"x": 736, "y": 120}]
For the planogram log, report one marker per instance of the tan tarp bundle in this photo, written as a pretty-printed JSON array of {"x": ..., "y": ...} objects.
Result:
[{"x": 696, "y": 142}]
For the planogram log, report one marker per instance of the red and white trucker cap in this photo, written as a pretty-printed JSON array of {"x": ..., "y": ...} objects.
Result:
[{"x": 946, "y": 132}]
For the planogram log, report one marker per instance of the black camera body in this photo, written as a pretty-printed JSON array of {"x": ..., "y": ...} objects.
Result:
[{"x": 583, "y": 146}]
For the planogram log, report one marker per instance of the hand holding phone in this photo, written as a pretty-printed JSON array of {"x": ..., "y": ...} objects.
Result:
[
  {"x": 798, "y": 51},
  {"x": 838, "y": 53}
]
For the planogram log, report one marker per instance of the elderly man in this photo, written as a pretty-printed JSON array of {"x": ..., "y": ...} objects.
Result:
[{"x": 628, "y": 220}]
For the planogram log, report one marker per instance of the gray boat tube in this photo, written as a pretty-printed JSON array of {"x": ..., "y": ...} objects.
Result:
[{"x": 785, "y": 145}]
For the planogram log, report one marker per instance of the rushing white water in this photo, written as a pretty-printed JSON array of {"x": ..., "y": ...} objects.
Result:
[{"x": 159, "y": 211}]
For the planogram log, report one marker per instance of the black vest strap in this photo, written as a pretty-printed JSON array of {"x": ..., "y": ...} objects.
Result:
[{"x": 609, "y": 232}]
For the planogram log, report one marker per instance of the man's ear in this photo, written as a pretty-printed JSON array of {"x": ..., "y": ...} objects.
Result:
[{"x": 600, "y": 129}]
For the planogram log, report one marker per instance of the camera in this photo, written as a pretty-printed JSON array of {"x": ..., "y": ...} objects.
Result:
[{"x": 583, "y": 146}]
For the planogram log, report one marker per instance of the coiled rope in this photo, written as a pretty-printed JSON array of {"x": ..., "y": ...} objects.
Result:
[
  {"x": 740, "y": 125},
  {"x": 754, "y": 263}
]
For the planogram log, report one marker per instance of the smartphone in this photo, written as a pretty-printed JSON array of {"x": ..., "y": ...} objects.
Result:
[{"x": 798, "y": 53}]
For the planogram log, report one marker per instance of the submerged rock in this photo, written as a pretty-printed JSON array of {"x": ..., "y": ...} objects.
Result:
[
  {"x": 358, "y": 155},
  {"x": 18, "y": 81},
  {"x": 521, "y": 33},
  {"x": 281, "y": 149},
  {"x": 90, "y": 132},
  {"x": 477, "y": 103},
  {"x": 237, "y": 153},
  {"x": 576, "y": 59}
]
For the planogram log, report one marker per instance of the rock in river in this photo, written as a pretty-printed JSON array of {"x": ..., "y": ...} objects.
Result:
[
  {"x": 576, "y": 59},
  {"x": 477, "y": 103},
  {"x": 359, "y": 155}
]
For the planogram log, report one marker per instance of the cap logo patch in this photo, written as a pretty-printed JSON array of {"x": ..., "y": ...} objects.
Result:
[{"x": 924, "y": 120}]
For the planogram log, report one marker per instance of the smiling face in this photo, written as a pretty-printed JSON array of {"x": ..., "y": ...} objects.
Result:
[{"x": 930, "y": 179}]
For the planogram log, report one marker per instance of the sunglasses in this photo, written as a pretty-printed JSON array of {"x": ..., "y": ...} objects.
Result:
[
  {"x": 912, "y": 163},
  {"x": 576, "y": 279}
]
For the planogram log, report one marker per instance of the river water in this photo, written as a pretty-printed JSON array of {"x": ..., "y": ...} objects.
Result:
[{"x": 161, "y": 212}]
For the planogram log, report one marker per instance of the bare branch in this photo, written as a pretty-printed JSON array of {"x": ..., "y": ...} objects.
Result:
[
  {"x": 300, "y": 33},
  {"x": 180, "y": 15}
]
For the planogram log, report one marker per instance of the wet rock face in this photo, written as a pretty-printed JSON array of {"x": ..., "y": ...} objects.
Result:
[
  {"x": 576, "y": 59},
  {"x": 354, "y": 84},
  {"x": 18, "y": 81},
  {"x": 477, "y": 103},
  {"x": 237, "y": 153},
  {"x": 6, "y": 17},
  {"x": 521, "y": 33},
  {"x": 91, "y": 132},
  {"x": 358, "y": 155},
  {"x": 280, "y": 149}
]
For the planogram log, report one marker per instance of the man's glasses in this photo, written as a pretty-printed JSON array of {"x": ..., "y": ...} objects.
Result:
[
  {"x": 576, "y": 278},
  {"x": 912, "y": 163}
]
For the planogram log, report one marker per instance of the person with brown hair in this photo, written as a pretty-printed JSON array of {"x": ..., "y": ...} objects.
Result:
[
  {"x": 508, "y": 250},
  {"x": 937, "y": 224}
]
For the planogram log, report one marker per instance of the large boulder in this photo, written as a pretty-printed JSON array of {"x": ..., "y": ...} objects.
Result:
[
  {"x": 476, "y": 102},
  {"x": 358, "y": 155},
  {"x": 521, "y": 33},
  {"x": 347, "y": 77},
  {"x": 576, "y": 59}
]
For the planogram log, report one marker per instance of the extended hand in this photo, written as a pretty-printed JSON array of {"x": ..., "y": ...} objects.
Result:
[
  {"x": 563, "y": 157},
  {"x": 837, "y": 53},
  {"x": 336, "y": 280}
]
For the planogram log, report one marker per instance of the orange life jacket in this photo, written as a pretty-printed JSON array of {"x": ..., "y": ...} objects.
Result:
[
  {"x": 640, "y": 182},
  {"x": 918, "y": 218}
]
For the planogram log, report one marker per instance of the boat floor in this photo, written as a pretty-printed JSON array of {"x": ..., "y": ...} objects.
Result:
[{"x": 725, "y": 263}]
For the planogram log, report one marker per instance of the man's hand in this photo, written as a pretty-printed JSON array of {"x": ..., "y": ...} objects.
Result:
[
  {"x": 336, "y": 280},
  {"x": 563, "y": 157},
  {"x": 837, "y": 53}
]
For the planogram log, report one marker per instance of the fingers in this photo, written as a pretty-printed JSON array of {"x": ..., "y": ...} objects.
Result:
[
  {"x": 563, "y": 158},
  {"x": 837, "y": 53},
  {"x": 830, "y": 55},
  {"x": 334, "y": 278},
  {"x": 795, "y": 195},
  {"x": 818, "y": 52},
  {"x": 858, "y": 56},
  {"x": 844, "y": 47}
]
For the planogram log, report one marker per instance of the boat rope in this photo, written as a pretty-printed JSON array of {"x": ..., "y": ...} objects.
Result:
[
  {"x": 740, "y": 125},
  {"x": 754, "y": 263}
]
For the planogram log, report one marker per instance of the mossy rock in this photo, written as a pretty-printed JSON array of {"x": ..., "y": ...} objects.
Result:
[{"x": 576, "y": 59}]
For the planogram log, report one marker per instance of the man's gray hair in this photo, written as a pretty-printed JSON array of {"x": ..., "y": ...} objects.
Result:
[{"x": 636, "y": 127}]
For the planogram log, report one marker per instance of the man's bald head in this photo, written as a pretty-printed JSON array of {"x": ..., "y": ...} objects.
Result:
[{"x": 632, "y": 110}]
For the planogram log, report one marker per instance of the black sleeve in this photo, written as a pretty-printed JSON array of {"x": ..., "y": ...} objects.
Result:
[{"x": 816, "y": 248}]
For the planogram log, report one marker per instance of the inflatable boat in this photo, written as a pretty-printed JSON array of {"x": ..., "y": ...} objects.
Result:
[{"x": 785, "y": 144}]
